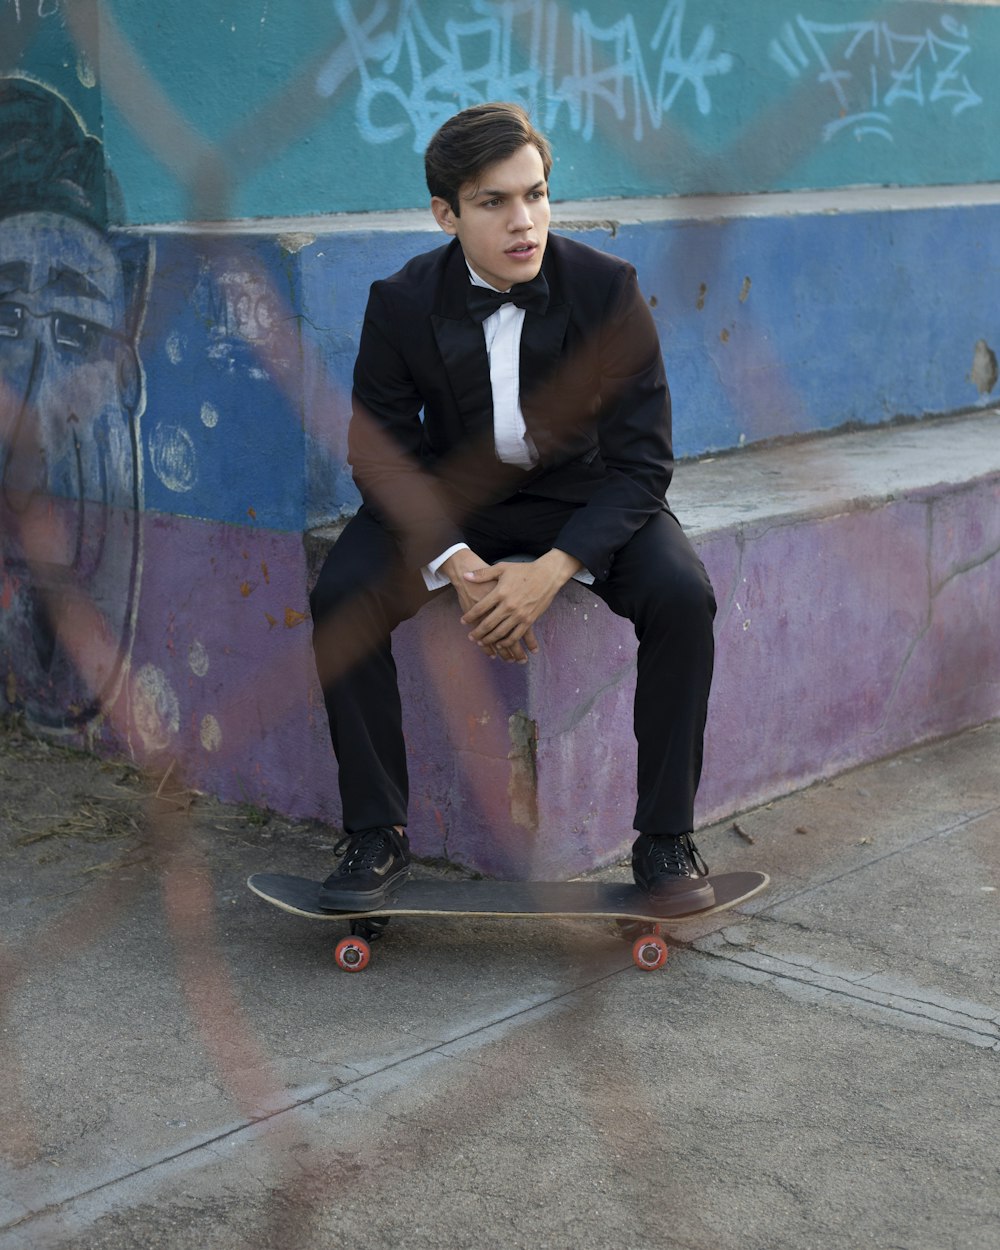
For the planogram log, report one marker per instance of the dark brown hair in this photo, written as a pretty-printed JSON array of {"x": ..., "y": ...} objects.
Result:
[{"x": 473, "y": 140}]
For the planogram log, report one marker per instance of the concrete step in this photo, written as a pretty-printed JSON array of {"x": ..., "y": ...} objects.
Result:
[{"x": 858, "y": 583}]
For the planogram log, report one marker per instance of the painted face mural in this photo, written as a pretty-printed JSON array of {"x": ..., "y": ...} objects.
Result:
[{"x": 70, "y": 399}]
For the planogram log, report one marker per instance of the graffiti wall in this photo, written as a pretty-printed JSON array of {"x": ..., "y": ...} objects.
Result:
[
  {"x": 148, "y": 555},
  {"x": 181, "y": 294},
  {"x": 652, "y": 97},
  {"x": 268, "y": 109}
]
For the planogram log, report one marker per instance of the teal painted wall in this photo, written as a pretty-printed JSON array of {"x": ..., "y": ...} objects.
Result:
[
  {"x": 325, "y": 106},
  {"x": 38, "y": 41},
  {"x": 277, "y": 108}
]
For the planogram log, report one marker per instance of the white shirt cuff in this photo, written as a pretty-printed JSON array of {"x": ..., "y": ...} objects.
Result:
[{"x": 434, "y": 580}]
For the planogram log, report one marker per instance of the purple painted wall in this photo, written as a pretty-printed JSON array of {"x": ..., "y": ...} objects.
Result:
[{"x": 841, "y": 638}]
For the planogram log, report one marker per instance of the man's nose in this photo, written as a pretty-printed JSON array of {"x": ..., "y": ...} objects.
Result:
[{"x": 520, "y": 217}]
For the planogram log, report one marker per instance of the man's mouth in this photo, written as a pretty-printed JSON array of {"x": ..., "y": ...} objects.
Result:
[{"x": 522, "y": 249}]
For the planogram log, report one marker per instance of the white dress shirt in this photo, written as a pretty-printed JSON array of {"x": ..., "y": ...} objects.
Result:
[{"x": 511, "y": 439}]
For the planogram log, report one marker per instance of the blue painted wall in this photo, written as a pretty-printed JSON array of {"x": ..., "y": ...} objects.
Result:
[
  {"x": 224, "y": 436},
  {"x": 770, "y": 326}
]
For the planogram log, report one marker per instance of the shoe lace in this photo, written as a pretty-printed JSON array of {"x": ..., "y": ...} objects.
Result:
[
  {"x": 365, "y": 848},
  {"x": 677, "y": 854}
]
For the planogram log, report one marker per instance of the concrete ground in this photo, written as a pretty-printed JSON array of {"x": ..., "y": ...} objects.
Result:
[{"x": 185, "y": 1067}]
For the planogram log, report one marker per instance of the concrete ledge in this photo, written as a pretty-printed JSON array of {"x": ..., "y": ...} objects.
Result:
[
  {"x": 859, "y": 585},
  {"x": 613, "y": 213}
]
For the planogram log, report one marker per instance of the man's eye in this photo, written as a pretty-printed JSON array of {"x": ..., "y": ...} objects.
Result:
[
  {"x": 75, "y": 335},
  {"x": 11, "y": 320}
]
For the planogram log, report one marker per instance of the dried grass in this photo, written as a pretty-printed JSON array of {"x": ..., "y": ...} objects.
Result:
[{"x": 94, "y": 820}]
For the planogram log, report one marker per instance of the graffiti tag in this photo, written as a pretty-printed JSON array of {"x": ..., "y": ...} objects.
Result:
[
  {"x": 43, "y": 8},
  {"x": 413, "y": 77},
  {"x": 871, "y": 68}
]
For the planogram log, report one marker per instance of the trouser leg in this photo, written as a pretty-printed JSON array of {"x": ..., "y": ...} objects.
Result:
[
  {"x": 658, "y": 582},
  {"x": 362, "y": 593}
]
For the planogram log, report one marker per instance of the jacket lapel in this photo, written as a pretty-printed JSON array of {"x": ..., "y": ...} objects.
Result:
[
  {"x": 542, "y": 340},
  {"x": 463, "y": 348}
]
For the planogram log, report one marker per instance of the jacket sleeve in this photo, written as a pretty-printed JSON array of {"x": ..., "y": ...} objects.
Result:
[
  {"x": 633, "y": 431},
  {"x": 385, "y": 440}
]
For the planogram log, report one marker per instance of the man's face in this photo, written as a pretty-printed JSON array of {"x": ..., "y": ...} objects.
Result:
[
  {"x": 68, "y": 471},
  {"x": 504, "y": 223}
]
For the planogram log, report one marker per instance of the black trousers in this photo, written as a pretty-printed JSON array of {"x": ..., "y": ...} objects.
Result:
[{"x": 657, "y": 581}]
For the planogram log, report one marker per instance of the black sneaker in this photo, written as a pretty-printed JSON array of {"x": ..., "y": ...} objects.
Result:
[
  {"x": 374, "y": 863},
  {"x": 670, "y": 870}
]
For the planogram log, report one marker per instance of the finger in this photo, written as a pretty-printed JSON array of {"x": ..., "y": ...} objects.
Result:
[
  {"x": 492, "y": 628},
  {"x": 513, "y": 655},
  {"x": 499, "y": 622},
  {"x": 492, "y": 620},
  {"x": 505, "y": 633},
  {"x": 474, "y": 614},
  {"x": 530, "y": 641}
]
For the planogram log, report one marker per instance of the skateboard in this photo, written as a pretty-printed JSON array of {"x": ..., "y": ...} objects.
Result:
[{"x": 637, "y": 916}]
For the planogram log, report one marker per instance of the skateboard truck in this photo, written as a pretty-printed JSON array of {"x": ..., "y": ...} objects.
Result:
[{"x": 370, "y": 929}]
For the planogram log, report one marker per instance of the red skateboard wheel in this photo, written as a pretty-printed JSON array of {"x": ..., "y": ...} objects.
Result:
[
  {"x": 352, "y": 954},
  {"x": 649, "y": 952}
]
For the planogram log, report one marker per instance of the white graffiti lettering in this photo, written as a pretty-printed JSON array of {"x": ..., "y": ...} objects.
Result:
[
  {"x": 870, "y": 68},
  {"x": 43, "y": 8},
  {"x": 413, "y": 78}
]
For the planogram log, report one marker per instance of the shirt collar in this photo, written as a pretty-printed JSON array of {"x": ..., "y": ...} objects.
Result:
[{"x": 478, "y": 281}]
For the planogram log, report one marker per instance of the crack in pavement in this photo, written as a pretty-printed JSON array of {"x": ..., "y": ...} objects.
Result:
[
  {"x": 893, "y": 999},
  {"x": 478, "y": 1034}
]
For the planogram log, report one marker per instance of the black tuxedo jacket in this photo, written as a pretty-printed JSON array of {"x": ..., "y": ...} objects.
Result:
[{"x": 593, "y": 392}]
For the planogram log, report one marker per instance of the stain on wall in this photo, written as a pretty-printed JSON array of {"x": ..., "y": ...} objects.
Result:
[{"x": 983, "y": 374}]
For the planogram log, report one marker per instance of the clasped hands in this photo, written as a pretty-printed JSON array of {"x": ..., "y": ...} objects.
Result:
[{"x": 501, "y": 602}]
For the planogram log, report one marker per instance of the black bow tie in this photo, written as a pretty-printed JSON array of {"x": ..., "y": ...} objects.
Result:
[{"x": 533, "y": 295}]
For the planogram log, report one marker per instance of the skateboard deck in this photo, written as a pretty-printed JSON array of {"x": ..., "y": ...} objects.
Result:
[{"x": 621, "y": 901}]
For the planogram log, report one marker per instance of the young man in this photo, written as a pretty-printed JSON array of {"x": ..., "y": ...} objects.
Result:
[{"x": 546, "y": 430}]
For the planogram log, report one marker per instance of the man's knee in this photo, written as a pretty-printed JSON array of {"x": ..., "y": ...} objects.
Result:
[
  {"x": 674, "y": 580},
  {"x": 681, "y": 596},
  {"x": 330, "y": 590},
  {"x": 693, "y": 590},
  {"x": 363, "y": 583},
  {"x": 359, "y": 561}
]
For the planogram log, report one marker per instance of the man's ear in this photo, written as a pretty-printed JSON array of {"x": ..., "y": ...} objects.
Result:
[{"x": 443, "y": 214}]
